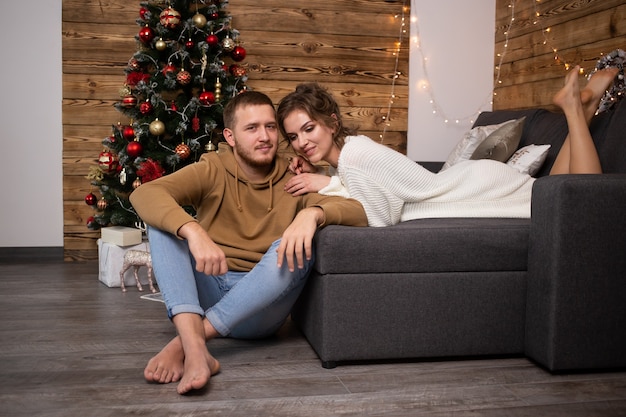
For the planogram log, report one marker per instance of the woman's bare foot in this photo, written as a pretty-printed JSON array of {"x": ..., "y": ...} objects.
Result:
[
  {"x": 569, "y": 96},
  {"x": 167, "y": 365},
  {"x": 597, "y": 85},
  {"x": 199, "y": 366}
]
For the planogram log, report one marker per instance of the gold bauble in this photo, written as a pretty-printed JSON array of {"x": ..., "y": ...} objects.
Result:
[
  {"x": 160, "y": 45},
  {"x": 199, "y": 20},
  {"x": 157, "y": 127},
  {"x": 228, "y": 44}
]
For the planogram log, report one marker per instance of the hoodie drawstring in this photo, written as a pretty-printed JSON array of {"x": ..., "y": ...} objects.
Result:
[{"x": 239, "y": 206}]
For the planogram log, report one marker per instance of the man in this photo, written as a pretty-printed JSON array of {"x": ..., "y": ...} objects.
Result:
[{"x": 238, "y": 267}]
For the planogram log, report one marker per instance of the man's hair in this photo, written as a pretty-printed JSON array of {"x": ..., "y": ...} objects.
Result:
[{"x": 247, "y": 98}]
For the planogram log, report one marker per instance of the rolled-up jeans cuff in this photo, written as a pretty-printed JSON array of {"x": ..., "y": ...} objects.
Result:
[{"x": 185, "y": 308}]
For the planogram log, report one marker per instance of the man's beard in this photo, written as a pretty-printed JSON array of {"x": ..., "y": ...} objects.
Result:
[{"x": 247, "y": 156}]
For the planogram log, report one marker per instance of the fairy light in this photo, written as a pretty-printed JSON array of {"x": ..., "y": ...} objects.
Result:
[
  {"x": 396, "y": 72},
  {"x": 546, "y": 41}
]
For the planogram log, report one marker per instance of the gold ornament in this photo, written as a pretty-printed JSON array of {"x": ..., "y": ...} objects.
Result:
[
  {"x": 160, "y": 45},
  {"x": 228, "y": 44},
  {"x": 102, "y": 204},
  {"x": 218, "y": 90},
  {"x": 199, "y": 20},
  {"x": 157, "y": 127},
  {"x": 210, "y": 147},
  {"x": 125, "y": 91}
]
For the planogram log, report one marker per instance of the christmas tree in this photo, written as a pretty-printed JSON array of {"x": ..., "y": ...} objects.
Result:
[{"x": 183, "y": 73}]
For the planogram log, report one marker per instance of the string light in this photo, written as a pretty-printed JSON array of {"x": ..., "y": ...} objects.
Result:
[
  {"x": 546, "y": 41},
  {"x": 396, "y": 72}
]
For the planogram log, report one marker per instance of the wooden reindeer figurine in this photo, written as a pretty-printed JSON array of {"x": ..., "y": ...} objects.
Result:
[{"x": 137, "y": 259}]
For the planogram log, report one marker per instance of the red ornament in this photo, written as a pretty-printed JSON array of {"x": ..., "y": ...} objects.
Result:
[
  {"x": 195, "y": 124},
  {"x": 146, "y": 107},
  {"x": 170, "y": 18},
  {"x": 128, "y": 132},
  {"x": 173, "y": 106},
  {"x": 142, "y": 13},
  {"x": 102, "y": 204},
  {"x": 214, "y": 16},
  {"x": 108, "y": 162},
  {"x": 91, "y": 199},
  {"x": 129, "y": 101},
  {"x": 212, "y": 40},
  {"x": 237, "y": 70},
  {"x": 189, "y": 44},
  {"x": 134, "y": 149},
  {"x": 146, "y": 34},
  {"x": 91, "y": 222},
  {"x": 183, "y": 77},
  {"x": 169, "y": 68},
  {"x": 183, "y": 151},
  {"x": 238, "y": 54},
  {"x": 207, "y": 98}
]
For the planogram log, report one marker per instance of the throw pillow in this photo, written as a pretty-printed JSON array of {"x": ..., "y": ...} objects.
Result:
[
  {"x": 502, "y": 143},
  {"x": 468, "y": 144},
  {"x": 529, "y": 159}
]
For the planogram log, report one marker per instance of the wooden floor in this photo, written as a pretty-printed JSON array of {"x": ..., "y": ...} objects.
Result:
[{"x": 69, "y": 346}]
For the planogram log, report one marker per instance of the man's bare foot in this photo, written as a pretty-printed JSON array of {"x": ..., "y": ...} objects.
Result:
[
  {"x": 199, "y": 366},
  {"x": 167, "y": 365}
]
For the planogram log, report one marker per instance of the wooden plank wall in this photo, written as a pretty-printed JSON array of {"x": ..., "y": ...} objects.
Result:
[
  {"x": 580, "y": 31},
  {"x": 348, "y": 45}
]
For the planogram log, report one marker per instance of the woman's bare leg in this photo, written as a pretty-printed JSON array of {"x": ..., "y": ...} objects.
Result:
[{"x": 578, "y": 155}]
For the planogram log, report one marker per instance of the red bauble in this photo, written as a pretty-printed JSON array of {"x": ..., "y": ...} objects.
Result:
[
  {"x": 146, "y": 107},
  {"x": 183, "y": 151},
  {"x": 134, "y": 149},
  {"x": 207, "y": 98},
  {"x": 91, "y": 199},
  {"x": 91, "y": 222},
  {"x": 189, "y": 44},
  {"x": 237, "y": 70},
  {"x": 183, "y": 77},
  {"x": 212, "y": 40},
  {"x": 238, "y": 54},
  {"x": 142, "y": 13},
  {"x": 128, "y": 132},
  {"x": 169, "y": 68},
  {"x": 129, "y": 101},
  {"x": 108, "y": 162},
  {"x": 146, "y": 34},
  {"x": 170, "y": 18},
  {"x": 214, "y": 16}
]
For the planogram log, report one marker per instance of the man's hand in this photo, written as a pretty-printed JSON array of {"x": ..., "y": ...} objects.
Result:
[
  {"x": 297, "y": 240},
  {"x": 306, "y": 183},
  {"x": 210, "y": 259}
]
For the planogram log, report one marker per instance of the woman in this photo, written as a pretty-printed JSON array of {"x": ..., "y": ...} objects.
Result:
[{"x": 392, "y": 188}]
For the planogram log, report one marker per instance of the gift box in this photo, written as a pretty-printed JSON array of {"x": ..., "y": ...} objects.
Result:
[
  {"x": 121, "y": 236},
  {"x": 111, "y": 260}
]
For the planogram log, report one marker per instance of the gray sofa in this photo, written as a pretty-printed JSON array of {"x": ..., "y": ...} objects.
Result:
[{"x": 552, "y": 288}]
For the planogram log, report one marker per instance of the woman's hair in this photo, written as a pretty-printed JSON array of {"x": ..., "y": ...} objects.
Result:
[{"x": 319, "y": 104}]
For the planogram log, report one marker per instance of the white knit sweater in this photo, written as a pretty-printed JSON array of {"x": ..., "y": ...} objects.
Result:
[{"x": 392, "y": 188}]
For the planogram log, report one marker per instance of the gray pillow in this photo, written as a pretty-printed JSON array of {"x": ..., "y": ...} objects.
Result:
[{"x": 502, "y": 143}]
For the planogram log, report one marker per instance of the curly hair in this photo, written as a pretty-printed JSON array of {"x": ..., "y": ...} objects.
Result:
[{"x": 319, "y": 104}]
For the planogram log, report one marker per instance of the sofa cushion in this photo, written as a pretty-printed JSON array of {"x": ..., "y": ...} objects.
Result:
[
  {"x": 502, "y": 143},
  {"x": 425, "y": 245}
]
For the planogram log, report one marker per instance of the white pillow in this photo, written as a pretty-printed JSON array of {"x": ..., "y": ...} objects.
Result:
[
  {"x": 466, "y": 147},
  {"x": 529, "y": 159}
]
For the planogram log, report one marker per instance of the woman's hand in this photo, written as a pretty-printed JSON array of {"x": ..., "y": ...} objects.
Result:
[
  {"x": 306, "y": 183},
  {"x": 299, "y": 165}
]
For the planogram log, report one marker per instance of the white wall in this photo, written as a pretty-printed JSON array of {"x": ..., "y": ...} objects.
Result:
[
  {"x": 457, "y": 40},
  {"x": 31, "y": 135}
]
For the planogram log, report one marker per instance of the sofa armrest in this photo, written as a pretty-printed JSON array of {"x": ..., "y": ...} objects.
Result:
[{"x": 576, "y": 300}]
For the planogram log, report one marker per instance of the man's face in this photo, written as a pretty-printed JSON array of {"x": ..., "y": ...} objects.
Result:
[{"x": 254, "y": 137}]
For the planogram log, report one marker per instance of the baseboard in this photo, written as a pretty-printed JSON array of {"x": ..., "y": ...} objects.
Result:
[{"x": 31, "y": 254}]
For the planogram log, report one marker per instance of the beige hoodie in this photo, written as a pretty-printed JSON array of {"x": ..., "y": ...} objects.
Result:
[{"x": 243, "y": 217}]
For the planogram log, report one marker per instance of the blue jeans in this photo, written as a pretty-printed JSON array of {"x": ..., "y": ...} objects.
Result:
[{"x": 238, "y": 304}]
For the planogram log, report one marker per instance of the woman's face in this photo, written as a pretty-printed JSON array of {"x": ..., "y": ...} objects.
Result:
[{"x": 310, "y": 138}]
